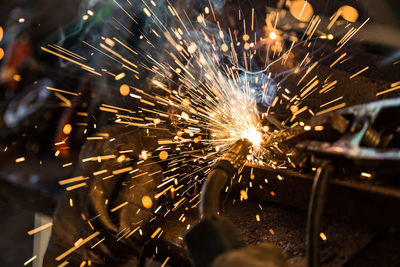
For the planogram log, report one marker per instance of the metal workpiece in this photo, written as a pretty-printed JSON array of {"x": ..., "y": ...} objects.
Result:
[{"x": 360, "y": 202}]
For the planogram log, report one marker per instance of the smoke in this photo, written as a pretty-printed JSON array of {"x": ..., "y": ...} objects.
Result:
[
  {"x": 216, "y": 54},
  {"x": 261, "y": 87}
]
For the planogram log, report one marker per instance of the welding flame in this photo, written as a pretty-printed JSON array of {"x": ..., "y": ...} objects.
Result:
[{"x": 253, "y": 135}]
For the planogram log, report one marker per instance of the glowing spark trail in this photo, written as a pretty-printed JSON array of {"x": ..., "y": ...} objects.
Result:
[{"x": 206, "y": 92}]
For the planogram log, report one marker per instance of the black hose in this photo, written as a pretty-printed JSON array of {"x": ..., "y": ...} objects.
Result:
[
  {"x": 210, "y": 197},
  {"x": 218, "y": 177},
  {"x": 315, "y": 211}
]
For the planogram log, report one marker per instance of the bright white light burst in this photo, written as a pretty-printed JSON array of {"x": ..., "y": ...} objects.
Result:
[{"x": 253, "y": 135}]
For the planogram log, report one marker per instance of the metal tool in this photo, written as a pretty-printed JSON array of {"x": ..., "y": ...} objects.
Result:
[
  {"x": 215, "y": 241},
  {"x": 366, "y": 137}
]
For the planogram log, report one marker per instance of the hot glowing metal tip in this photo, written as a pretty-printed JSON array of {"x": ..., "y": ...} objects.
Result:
[{"x": 253, "y": 135}]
